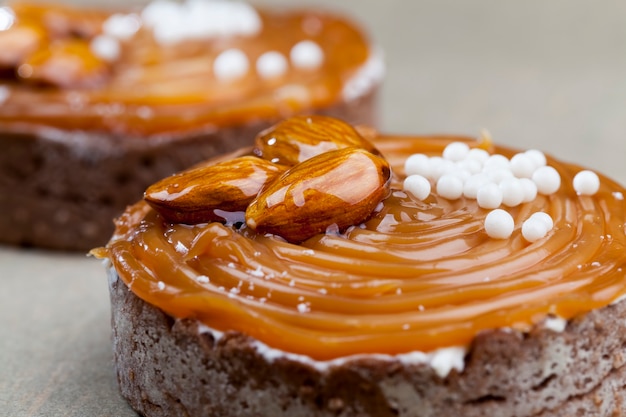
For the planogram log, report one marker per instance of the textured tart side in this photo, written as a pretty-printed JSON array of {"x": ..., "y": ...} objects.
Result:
[
  {"x": 167, "y": 366},
  {"x": 76, "y": 153}
]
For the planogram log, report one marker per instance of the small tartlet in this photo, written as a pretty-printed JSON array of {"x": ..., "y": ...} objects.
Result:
[
  {"x": 416, "y": 308},
  {"x": 95, "y": 105}
]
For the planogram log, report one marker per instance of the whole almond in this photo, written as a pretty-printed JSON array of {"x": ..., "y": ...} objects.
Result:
[
  {"x": 337, "y": 188},
  {"x": 66, "y": 63},
  {"x": 299, "y": 138},
  {"x": 17, "y": 43},
  {"x": 209, "y": 193}
]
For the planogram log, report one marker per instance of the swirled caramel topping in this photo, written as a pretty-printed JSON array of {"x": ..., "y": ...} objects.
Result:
[
  {"x": 171, "y": 68},
  {"x": 418, "y": 274}
]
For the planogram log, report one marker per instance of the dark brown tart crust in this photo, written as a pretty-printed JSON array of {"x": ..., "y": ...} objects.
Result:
[{"x": 166, "y": 367}]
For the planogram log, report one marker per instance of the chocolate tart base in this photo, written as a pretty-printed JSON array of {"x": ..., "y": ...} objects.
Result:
[
  {"x": 166, "y": 367},
  {"x": 62, "y": 190}
]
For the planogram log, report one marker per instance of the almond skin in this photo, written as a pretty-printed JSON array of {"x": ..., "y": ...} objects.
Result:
[
  {"x": 208, "y": 193},
  {"x": 299, "y": 138},
  {"x": 338, "y": 188}
]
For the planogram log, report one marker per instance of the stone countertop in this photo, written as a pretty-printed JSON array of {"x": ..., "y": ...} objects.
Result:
[{"x": 536, "y": 74}]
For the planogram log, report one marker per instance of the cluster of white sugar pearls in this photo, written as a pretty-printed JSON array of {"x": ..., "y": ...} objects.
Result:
[
  {"x": 173, "y": 22},
  {"x": 493, "y": 181}
]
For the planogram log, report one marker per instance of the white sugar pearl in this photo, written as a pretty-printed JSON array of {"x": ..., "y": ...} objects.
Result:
[
  {"x": 529, "y": 188},
  {"x": 537, "y": 226},
  {"x": 478, "y": 154},
  {"x": 489, "y": 196},
  {"x": 7, "y": 17},
  {"x": 456, "y": 151},
  {"x": 230, "y": 65},
  {"x": 512, "y": 192},
  {"x": 498, "y": 175},
  {"x": 170, "y": 33},
  {"x": 417, "y": 185},
  {"x": 543, "y": 218},
  {"x": 473, "y": 184},
  {"x": 470, "y": 165},
  {"x": 450, "y": 187},
  {"x": 271, "y": 64},
  {"x": 497, "y": 161},
  {"x": 522, "y": 165},
  {"x": 586, "y": 182},
  {"x": 499, "y": 224},
  {"x": 417, "y": 164},
  {"x": 306, "y": 55},
  {"x": 547, "y": 180},
  {"x": 460, "y": 173},
  {"x": 105, "y": 47},
  {"x": 439, "y": 167},
  {"x": 173, "y": 22},
  {"x": 243, "y": 18},
  {"x": 121, "y": 26},
  {"x": 158, "y": 12},
  {"x": 538, "y": 157},
  {"x": 533, "y": 230}
]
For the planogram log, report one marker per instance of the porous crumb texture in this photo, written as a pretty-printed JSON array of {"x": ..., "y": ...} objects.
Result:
[
  {"x": 62, "y": 190},
  {"x": 166, "y": 368}
]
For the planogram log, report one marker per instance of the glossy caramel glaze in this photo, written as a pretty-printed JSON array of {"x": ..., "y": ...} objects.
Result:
[
  {"x": 416, "y": 276},
  {"x": 163, "y": 88}
]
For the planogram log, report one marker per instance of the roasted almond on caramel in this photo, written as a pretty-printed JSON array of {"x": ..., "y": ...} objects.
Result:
[
  {"x": 302, "y": 137},
  {"x": 207, "y": 193},
  {"x": 338, "y": 188}
]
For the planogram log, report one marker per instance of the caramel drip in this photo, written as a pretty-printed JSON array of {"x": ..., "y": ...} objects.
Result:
[
  {"x": 171, "y": 89},
  {"x": 416, "y": 276}
]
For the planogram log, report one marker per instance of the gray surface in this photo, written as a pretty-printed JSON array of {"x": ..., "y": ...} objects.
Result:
[{"x": 544, "y": 74}]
